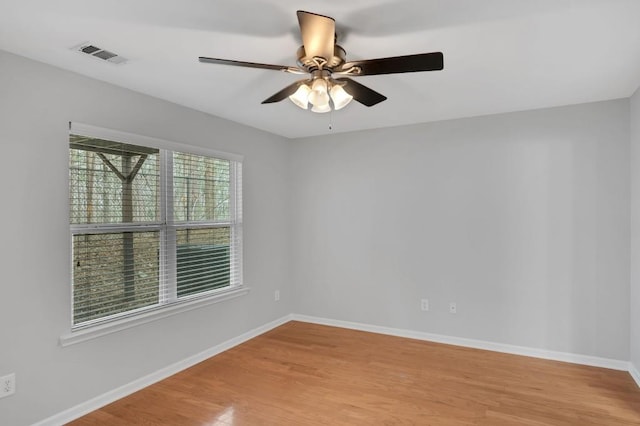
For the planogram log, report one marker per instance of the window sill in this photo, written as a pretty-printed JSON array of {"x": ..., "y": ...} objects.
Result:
[{"x": 89, "y": 333}]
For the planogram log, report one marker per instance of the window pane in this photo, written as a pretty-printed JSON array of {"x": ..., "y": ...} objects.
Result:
[
  {"x": 203, "y": 260},
  {"x": 112, "y": 182},
  {"x": 114, "y": 273},
  {"x": 200, "y": 188}
]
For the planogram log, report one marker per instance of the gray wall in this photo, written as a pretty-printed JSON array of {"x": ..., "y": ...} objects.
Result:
[
  {"x": 522, "y": 219},
  {"x": 635, "y": 231},
  {"x": 36, "y": 103}
]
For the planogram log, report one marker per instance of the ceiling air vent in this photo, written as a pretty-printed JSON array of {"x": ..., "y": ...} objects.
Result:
[{"x": 100, "y": 53}]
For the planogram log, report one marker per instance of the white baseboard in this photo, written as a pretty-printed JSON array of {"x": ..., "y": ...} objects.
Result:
[
  {"x": 634, "y": 373},
  {"x": 115, "y": 394},
  {"x": 613, "y": 364}
]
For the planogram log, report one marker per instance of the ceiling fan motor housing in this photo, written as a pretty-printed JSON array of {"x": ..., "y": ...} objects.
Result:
[{"x": 311, "y": 64}]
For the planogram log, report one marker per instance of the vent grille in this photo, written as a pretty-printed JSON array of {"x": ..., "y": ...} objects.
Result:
[{"x": 100, "y": 53}]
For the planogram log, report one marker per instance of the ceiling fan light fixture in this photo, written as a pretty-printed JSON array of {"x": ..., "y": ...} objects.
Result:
[
  {"x": 301, "y": 96},
  {"x": 319, "y": 95},
  {"x": 323, "y": 95},
  {"x": 339, "y": 97}
]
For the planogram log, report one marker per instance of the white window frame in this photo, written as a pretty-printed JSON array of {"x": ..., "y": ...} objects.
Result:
[{"x": 168, "y": 304}]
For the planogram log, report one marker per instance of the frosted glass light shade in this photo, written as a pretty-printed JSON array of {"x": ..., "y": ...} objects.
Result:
[
  {"x": 340, "y": 97},
  {"x": 321, "y": 108},
  {"x": 301, "y": 96},
  {"x": 319, "y": 96}
]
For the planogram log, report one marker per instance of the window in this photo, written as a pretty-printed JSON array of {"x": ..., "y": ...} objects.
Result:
[{"x": 153, "y": 224}]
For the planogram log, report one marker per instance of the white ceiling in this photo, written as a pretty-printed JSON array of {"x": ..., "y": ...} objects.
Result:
[{"x": 500, "y": 55}]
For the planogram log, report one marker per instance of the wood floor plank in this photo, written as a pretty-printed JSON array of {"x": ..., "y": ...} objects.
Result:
[{"x": 308, "y": 374}]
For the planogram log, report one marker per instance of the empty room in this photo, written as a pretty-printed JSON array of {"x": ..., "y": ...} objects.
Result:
[{"x": 267, "y": 212}]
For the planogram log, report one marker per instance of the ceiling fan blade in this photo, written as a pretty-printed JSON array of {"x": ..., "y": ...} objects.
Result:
[
  {"x": 361, "y": 93},
  {"x": 318, "y": 34},
  {"x": 284, "y": 93},
  {"x": 398, "y": 64},
  {"x": 294, "y": 70}
]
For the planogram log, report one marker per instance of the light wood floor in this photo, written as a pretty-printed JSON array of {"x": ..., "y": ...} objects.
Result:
[{"x": 306, "y": 374}]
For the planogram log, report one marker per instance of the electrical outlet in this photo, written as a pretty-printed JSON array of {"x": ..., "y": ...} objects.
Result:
[
  {"x": 453, "y": 308},
  {"x": 276, "y": 295},
  {"x": 424, "y": 304},
  {"x": 7, "y": 385}
]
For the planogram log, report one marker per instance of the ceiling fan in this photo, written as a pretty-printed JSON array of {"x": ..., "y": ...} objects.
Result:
[{"x": 323, "y": 59}]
